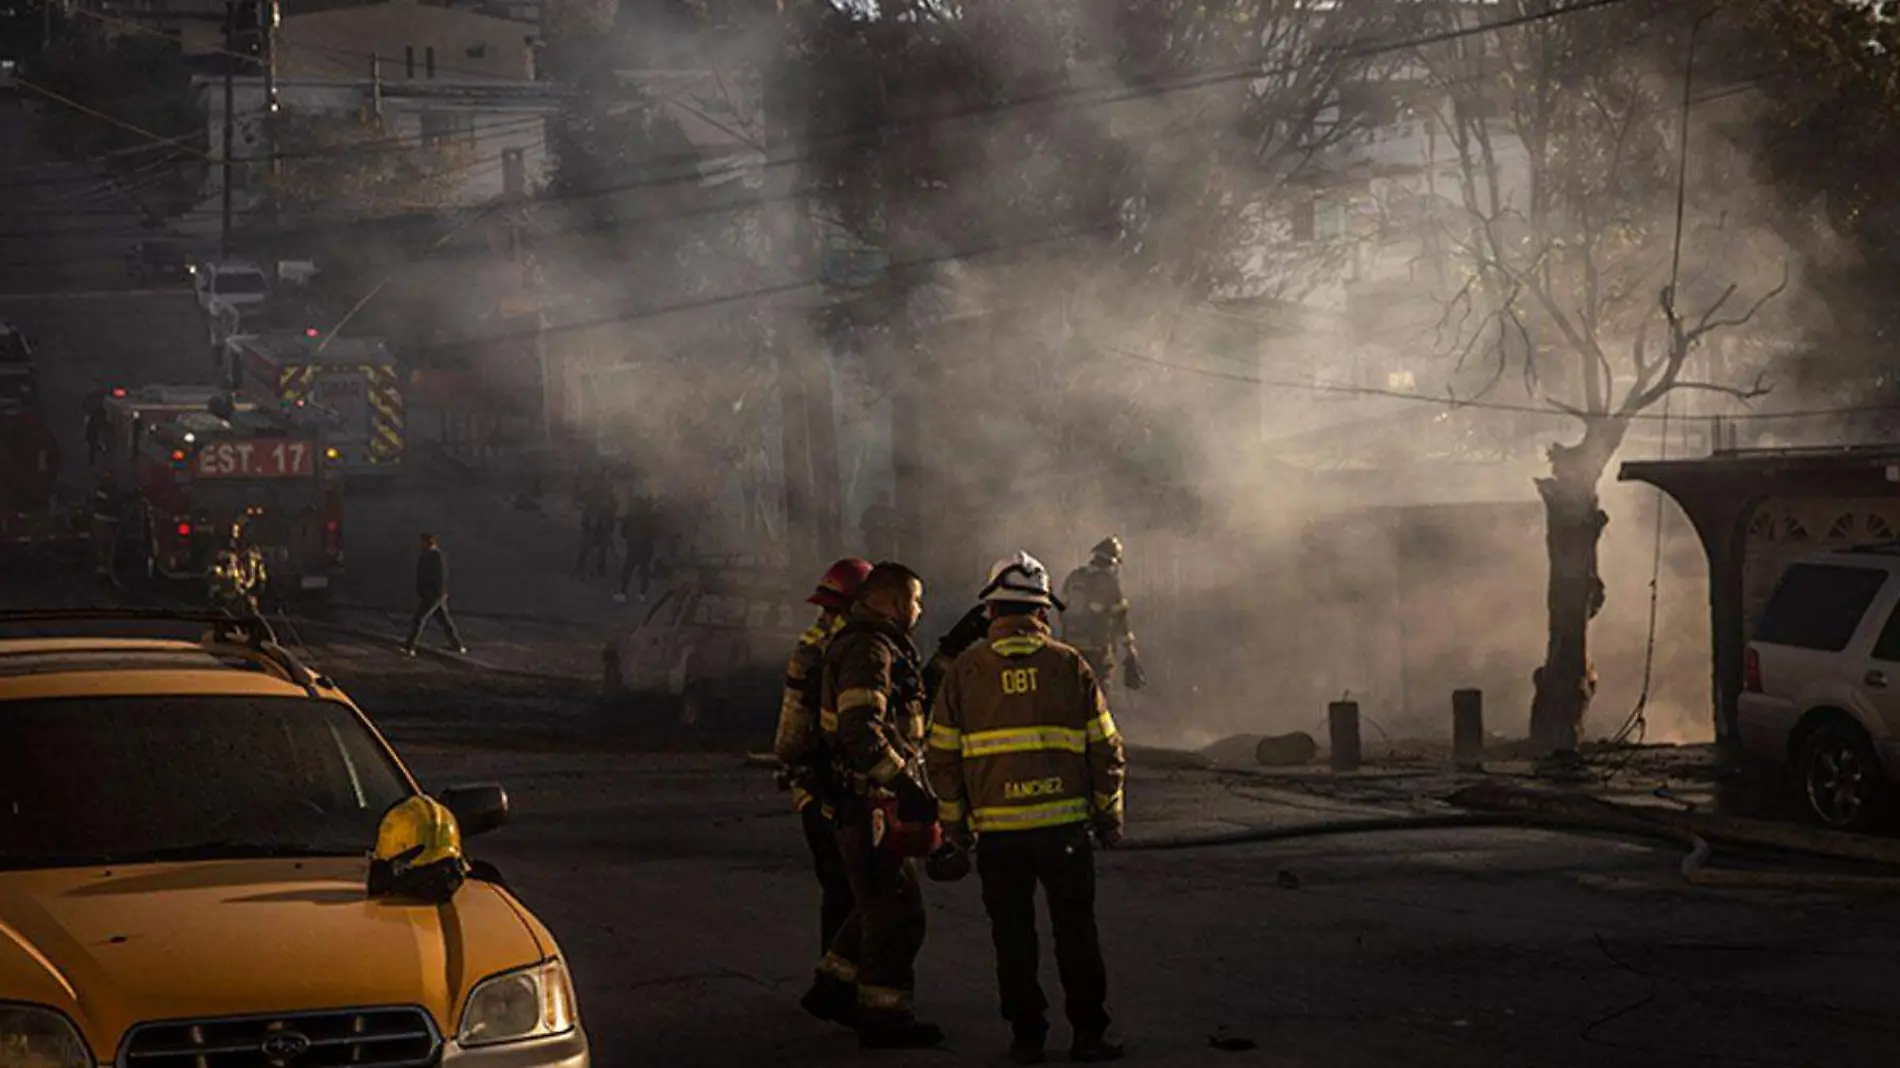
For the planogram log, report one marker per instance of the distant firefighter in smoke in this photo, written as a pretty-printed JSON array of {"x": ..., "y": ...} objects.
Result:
[{"x": 1096, "y": 620}]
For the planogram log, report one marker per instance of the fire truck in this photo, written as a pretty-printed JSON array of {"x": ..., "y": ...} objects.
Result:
[
  {"x": 184, "y": 463},
  {"x": 355, "y": 378}
]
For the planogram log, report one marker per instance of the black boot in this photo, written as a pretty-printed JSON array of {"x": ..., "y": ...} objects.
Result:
[
  {"x": 898, "y": 1033},
  {"x": 1095, "y": 1049},
  {"x": 831, "y": 999},
  {"x": 1026, "y": 1045}
]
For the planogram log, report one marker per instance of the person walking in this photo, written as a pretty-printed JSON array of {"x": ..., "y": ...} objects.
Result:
[
  {"x": 871, "y": 712},
  {"x": 432, "y": 597},
  {"x": 799, "y": 745},
  {"x": 1026, "y": 762}
]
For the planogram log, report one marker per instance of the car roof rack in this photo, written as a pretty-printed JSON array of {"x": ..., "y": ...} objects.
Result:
[{"x": 252, "y": 632}]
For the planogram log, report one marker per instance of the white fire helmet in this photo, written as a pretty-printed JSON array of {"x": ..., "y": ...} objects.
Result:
[{"x": 1021, "y": 579}]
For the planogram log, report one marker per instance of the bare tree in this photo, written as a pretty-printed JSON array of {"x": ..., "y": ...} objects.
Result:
[{"x": 1568, "y": 134}]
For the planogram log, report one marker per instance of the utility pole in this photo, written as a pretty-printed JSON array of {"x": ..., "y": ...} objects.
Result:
[
  {"x": 271, "y": 17},
  {"x": 230, "y": 121},
  {"x": 514, "y": 179}
]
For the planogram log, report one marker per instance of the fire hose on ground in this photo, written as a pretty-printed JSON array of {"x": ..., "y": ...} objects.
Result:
[{"x": 1496, "y": 805}]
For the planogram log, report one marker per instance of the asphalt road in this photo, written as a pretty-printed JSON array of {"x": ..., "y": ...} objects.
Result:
[{"x": 679, "y": 889}]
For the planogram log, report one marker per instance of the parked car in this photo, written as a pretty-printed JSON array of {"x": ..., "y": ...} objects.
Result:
[
  {"x": 158, "y": 261},
  {"x": 230, "y": 283},
  {"x": 711, "y": 649},
  {"x": 1821, "y": 684},
  {"x": 185, "y": 838}
]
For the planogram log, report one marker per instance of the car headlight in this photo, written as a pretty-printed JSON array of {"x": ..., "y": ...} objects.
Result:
[
  {"x": 32, "y": 1037},
  {"x": 536, "y": 1002}
]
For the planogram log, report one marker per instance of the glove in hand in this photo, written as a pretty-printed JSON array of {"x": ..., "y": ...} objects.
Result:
[
  {"x": 914, "y": 803},
  {"x": 1137, "y": 678},
  {"x": 968, "y": 631},
  {"x": 1108, "y": 833},
  {"x": 959, "y": 835}
]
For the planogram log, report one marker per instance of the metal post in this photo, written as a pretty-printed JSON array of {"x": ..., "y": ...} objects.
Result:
[
  {"x": 271, "y": 17},
  {"x": 1342, "y": 721},
  {"x": 230, "y": 121},
  {"x": 1467, "y": 729}
]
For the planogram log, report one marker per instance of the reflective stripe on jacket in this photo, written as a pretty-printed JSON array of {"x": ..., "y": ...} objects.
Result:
[
  {"x": 799, "y": 743},
  {"x": 1021, "y": 737},
  {"x": 871, "y": 702},
  {"x": 1097, "y": 616}
]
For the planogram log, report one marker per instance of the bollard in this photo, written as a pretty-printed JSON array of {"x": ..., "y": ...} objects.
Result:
[
  {"x": 1467, "y": 729},
  {"x": 1342, "y": 719}
]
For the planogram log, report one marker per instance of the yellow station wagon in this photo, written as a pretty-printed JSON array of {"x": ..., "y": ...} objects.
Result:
[{"x": 185, "y": 830}]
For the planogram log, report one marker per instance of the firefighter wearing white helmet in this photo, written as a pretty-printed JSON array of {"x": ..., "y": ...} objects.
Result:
[
  {"x": 1098, "y": 624},
  {"x": 1026, "y": 762}
]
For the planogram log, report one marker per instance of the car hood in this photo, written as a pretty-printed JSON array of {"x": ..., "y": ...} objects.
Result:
[{"x": 114, "y": 947}]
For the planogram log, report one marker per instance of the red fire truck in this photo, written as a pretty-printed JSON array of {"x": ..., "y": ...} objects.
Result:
[{"x": 184, "y": 463}]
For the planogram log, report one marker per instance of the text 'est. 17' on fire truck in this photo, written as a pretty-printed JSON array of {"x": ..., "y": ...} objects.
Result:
[
  {"x": 355, "y": 378},
  {"x": 184, "y": 464}
]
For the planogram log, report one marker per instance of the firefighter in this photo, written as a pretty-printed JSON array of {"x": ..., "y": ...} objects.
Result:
[
  {"x": 800, "y": 748},
  {"x": 1098, "y": 624},
  {"x": 1027, "y": 763},
  {"x": 872, "y": 715},
  {"x": 237, "y": 573}
]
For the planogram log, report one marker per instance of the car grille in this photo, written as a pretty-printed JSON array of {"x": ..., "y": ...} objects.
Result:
[{"x": 358, "y": 1038}]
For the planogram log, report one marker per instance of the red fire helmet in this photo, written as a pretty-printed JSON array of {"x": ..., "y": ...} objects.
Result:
[{"x": 840, "y": 583}]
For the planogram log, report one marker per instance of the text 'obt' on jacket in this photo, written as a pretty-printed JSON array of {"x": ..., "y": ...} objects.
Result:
[{"x": 1021, "y": 737}]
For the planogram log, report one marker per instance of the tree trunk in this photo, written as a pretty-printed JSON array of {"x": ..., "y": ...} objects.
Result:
[{"x": 1574, "y": 523}]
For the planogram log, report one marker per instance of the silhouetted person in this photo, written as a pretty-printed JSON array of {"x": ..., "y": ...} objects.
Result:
[
  {"x": 640, "y": 528},
  {"x": 96, "y": 426},
  {"x": 878, "y": 525},
  {"x": 432, "y": 597}
]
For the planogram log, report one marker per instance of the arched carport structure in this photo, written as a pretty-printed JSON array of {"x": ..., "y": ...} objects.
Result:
[{"x": 1756, "y": 511}]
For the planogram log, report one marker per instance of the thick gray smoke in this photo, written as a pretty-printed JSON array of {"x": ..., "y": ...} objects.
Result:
[{"x": 1159, "y": 367}]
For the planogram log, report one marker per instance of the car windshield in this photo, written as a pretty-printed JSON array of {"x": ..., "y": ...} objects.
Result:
[
  {"x": 160, "y": 252},
  {"x": 239, "y": 282},
  {"x": 121, "y": 780}
]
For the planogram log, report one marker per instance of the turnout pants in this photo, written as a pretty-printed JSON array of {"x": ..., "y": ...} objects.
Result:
[
  {"x": 822, "y": 836},
  {"x": 1061, "y": 859},
  {"x": 885, "y": 932},
  {"x": 1102, "y": 662}
]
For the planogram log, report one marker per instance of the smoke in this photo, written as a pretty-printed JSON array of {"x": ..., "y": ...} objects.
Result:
[{"x": 1091, "y": 301}]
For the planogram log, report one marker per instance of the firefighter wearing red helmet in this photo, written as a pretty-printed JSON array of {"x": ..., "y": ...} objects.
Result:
[
  {"x": 872, "y": 712},
  {"x": 800, "y": 748},
  {"x": 1027, "y": 762}
]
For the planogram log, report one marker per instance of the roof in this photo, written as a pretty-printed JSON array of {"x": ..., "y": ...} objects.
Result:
[
  {"x": 1732, "y": 462},
  {"x": 298, "y": 346},
  {"x": 71, "y": 667}
]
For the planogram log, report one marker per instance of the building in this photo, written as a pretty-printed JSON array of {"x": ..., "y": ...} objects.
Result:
[{"x": 402, "y": 72}]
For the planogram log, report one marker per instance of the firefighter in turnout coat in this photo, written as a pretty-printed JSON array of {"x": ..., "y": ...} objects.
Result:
[
  {"x": 872, "y": 712},
  {"x": 1098, "y": 623},
  {"x": 800, "y": 748},
  {"x": 1027, "y": 763}
]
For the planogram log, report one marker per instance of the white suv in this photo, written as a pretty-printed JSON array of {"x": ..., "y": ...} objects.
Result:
[{"x": 1821, "y": 683}]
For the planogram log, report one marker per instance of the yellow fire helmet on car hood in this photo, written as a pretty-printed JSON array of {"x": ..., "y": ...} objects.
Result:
[{"x": 418, "y": 852}]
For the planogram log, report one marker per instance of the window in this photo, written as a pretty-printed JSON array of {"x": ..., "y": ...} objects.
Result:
[
  {"x": 1887, "y": 647},
  {"x": 1819, "y": 606},
  {"x": 198, "y": 777},
  {"x": 479, "y": 51},
  {"x": 428, "y": 58},
  {"x": 409, "y": 61}
]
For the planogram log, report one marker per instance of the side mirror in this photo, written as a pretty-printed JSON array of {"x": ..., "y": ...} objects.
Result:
[{"x": 478, "y": 808}]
